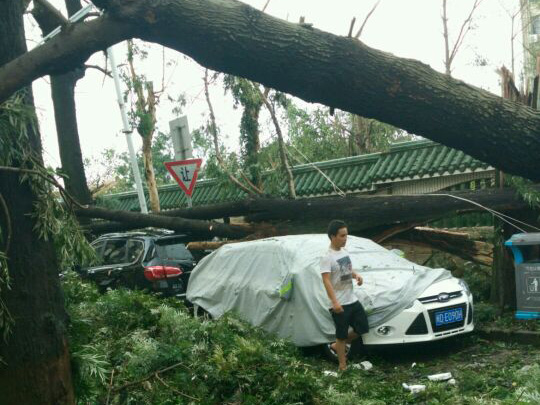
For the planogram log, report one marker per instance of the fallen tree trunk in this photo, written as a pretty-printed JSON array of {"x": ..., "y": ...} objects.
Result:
[
  {"x": 312, "y": 215},
  {"x": 235, "y": 38},
  {"x": 456, "y": 243},
  {"x": 194, "y": 227},
  {"x": 368, "y": 212}
]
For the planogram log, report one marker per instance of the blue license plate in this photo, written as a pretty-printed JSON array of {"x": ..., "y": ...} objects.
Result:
[{"x": 448, "y": 316}]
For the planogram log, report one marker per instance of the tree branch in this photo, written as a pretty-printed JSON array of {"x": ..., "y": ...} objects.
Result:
[
  {"x": 465, "y": 27},
  {"x": 281, "y": 143},
  {"x": 359, "y": 33},
  {"x": 409, "y": 95},
  {"x": 96, "y": 67},
  {"x": 213, "y": 130}
]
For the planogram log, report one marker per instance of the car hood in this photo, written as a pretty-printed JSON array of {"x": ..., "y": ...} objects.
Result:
[{"x": 443, "y": 286}]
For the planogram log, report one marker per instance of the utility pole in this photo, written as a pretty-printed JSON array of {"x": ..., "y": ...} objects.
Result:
[
  {"x": 127, "y": 131},
  {"x": 126, "y": 128}
]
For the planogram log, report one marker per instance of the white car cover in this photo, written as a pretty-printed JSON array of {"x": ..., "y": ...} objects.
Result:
[{"x": 253, "y": 280}]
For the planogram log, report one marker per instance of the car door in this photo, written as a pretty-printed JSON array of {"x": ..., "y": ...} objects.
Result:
[{"x": 112, "y": 261}]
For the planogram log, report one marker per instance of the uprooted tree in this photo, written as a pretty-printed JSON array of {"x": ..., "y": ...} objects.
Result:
[
  {"x": 301, "y": 60},
  {"x": 231, "y": 37}
]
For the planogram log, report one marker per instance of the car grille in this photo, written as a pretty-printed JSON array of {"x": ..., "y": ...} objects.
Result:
[
  {"x": 435, "y": 298},
  {"x": 449, "y": 326},
  {"x": 418, "y": 327}
]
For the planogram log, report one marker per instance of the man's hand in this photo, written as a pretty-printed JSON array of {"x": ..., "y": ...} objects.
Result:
[
  {"x": 337, "y": 308},
  {"x": 358, "y": 278}
]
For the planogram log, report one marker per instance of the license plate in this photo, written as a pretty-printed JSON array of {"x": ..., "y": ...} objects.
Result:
[{"x": 449, "y": 316}]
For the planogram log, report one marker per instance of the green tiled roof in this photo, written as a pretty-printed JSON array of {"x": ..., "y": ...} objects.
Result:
[{"x": 404, "y": 161}]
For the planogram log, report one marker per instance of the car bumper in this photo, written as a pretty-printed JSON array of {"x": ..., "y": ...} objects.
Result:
[{"x": 417, "y": 324}]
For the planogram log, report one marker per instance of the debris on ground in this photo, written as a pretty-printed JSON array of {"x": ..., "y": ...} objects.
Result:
[
  {"x": 329, "y": 373},
  {"x": 366, "y": 365},
  {"x": 440, "y": 377},
  {"x": 414, "y": 389}
]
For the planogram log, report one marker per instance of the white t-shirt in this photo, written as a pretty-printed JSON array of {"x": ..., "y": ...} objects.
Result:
[{"x": 338, "y": 264}]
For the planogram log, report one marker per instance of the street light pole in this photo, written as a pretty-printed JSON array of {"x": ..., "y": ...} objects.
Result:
[{"x": 127, "y": 131}]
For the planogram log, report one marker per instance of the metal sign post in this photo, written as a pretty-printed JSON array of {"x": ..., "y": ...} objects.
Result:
[{"x": 181, "y": 139}]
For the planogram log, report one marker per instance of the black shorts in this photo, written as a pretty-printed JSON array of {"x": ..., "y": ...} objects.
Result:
[{"x": 352, "y": 315}]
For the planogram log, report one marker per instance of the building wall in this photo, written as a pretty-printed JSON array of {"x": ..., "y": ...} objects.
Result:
[
  {"x": 430, "y": 185},
  {"x": 530, "y": 21}
]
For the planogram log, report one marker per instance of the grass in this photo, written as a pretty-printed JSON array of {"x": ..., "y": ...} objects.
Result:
[{"x": 134, "y": 348}]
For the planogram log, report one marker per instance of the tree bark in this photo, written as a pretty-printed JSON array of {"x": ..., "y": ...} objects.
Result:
[
  {"x": 233, "y": 37},
  {"x": 456, "y": 243},
  {"x": 65, "y": 113},
  {"x": 199, "y": 228},
  {"x": 35, "y": 367},
  {"x": 149, "y": 173},
  {"x": 312, "y": 214},
  {"x": 286, "y": 167}
]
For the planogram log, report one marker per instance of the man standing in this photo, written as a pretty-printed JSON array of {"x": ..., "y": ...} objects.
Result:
[{"x": 337, "y": 275}]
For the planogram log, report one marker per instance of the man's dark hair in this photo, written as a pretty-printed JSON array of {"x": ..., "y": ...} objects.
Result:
[{"x": 334, "y": 226}]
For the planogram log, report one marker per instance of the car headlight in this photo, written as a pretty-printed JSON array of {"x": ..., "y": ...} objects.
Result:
[{"x": 465, "y": 287}]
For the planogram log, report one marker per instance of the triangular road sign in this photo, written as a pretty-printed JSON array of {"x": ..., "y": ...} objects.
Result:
[{"x": 185, "y": 173}]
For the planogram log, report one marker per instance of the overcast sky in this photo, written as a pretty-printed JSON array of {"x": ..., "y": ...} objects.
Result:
[{"x": 411, "y": 29}]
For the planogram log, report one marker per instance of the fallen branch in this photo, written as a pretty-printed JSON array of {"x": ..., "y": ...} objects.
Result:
[{"x": 149, "y": 376}]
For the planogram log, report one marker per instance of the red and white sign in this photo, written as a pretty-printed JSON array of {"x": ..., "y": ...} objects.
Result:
[{"x": 185, "y": 173}]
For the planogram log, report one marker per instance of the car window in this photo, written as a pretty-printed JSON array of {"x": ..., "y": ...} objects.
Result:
[
  {"x": 114, "y": 252},
  {"x": 97, "y": 245},
  {"x": 172, "y": 249},
  {"x": 134, "y": 250}
]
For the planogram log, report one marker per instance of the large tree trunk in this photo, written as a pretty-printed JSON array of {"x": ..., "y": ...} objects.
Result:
[
  {"x": 65, "y": 113},
  {"x": 35, "y": 366},
  {"x": 149, "y": 173},
  {"x": 203, "y": 229},
  {"x": 233, "y": 37},
  {"x": 313, "y": 214}
]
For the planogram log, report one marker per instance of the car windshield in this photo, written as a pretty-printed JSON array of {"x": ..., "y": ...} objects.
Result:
[
  {"x": 114, "y": 252},
  {"x": 172, "y": 249}
]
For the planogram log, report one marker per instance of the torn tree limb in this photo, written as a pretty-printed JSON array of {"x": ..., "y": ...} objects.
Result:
[
  {"x": 232, "y": 37},
  {"x": 312, "y": 214},
  {"x": 456, "y": 243},
  {"x": 368, "y": 212},
  {"x": 191, "y": 226}
]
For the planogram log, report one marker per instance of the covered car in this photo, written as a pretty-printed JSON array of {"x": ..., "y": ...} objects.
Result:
[{"x": 275, "y": 283}]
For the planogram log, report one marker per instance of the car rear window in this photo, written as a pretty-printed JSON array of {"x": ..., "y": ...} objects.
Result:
[{"x": 172, "y": 249}]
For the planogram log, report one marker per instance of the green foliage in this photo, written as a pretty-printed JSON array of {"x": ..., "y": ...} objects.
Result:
[
  {"x": 116, "y": 167},
  {"x": 53, "y": 219},
  {"x": 136, "y": 334},
  {"x": 525, "y": 190},
  {"x": 528, "y": 379},
  {"x": 320, "y": 136},
  {"x": 247, "y": 94},
  {"x": 162, "y": 355}
]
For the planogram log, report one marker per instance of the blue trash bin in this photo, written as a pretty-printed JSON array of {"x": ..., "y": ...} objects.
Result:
[{"x": 526, "y": 250}]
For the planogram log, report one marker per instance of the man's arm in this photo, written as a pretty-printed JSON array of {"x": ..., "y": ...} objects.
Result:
[
  {"x": 330, "y": 291},
  {"x": 358, "y": 278}
]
